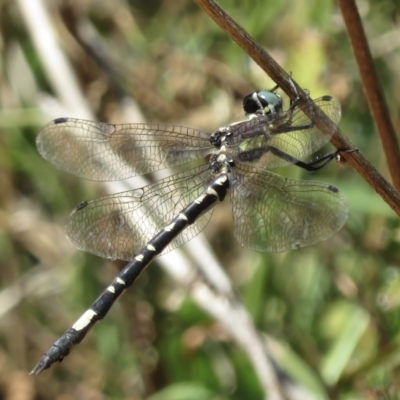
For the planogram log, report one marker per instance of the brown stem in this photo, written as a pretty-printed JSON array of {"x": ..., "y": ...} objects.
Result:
[{"x": 281, "y": 77}]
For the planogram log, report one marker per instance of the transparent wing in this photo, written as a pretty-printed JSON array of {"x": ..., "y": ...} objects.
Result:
[
  {"x": 119, "y": 225},
  {"x": 295, "y": 135},
  {"x": 275, "y": 214},
  {"x": 105, "y": 152}
]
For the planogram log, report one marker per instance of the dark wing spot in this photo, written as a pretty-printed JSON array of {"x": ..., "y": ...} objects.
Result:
[
  {"x": 60, "y": 120},
  {"x": 333, "y": 189},
  {"x": 82, "y": 205},
  {"x": 326, "y": 98}
]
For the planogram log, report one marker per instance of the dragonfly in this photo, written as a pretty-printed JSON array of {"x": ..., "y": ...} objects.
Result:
[{"x": 270, "y": 213}]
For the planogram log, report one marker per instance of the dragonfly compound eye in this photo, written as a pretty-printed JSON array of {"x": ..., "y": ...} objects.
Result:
[{"x": 262, "y": 102}]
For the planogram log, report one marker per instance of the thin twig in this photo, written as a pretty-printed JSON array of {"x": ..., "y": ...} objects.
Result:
[
  {"x": 324, "y": 124},
  {"x": 373, "y": 89}
]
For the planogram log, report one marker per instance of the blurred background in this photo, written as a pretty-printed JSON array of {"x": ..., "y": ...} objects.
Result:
[{"x": 329, "y": 314}]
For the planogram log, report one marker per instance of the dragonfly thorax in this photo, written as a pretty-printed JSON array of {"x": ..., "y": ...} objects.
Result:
[
  {"x": 220, "y": 163},
  {"x": 221, "y": 137}
]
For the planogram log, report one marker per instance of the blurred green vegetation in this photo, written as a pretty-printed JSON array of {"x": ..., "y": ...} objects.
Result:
[{"x": 330, "y": 313}]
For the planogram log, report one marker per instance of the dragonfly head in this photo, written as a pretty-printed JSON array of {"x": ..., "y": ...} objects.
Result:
[{"x": 262, "y": 102}]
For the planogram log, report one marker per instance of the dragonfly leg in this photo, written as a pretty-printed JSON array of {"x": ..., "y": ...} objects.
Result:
[
  {"x": 312, "y": 166},
  {"x": 321, "y": 162},
  {"x": 296, "y": 100}
]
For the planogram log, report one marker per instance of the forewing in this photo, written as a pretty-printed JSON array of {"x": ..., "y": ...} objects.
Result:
[
  {"x": 119, "y": 225},
  {"x": 105, "y": 152},
  {"x": 293, "y": 135},
  {"x": 275, "y": 214}
]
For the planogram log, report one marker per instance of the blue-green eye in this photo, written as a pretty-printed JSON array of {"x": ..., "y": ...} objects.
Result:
[{"x": 262, "y": 102}]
